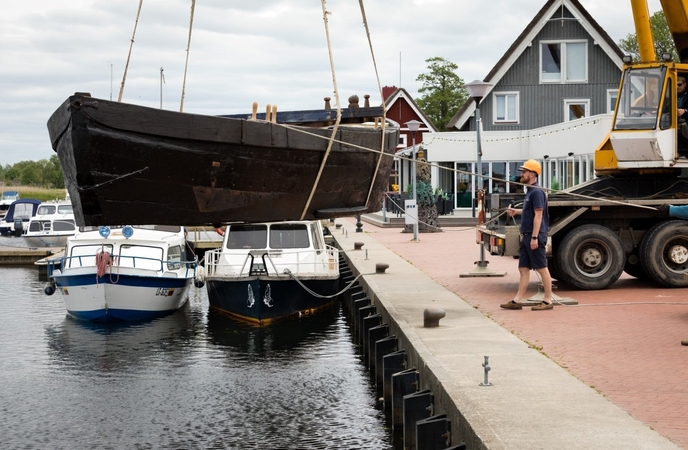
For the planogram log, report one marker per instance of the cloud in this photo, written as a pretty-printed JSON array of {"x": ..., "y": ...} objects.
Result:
[{"x": 272, "y": 51}]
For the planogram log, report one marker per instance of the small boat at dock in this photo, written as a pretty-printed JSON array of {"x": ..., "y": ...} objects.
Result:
[
  {"x": 266, "y": 272},
  {"x": 52, "y": 225},
  {"x": 132, "y": 164},
  {"x": 124, "y": 273}
]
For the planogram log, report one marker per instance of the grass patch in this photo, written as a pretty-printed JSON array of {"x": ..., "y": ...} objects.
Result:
[{"x": 38, "y": 193}]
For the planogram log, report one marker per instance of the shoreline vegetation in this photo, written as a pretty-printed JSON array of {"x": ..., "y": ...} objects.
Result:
[{"x": 38, "y": 193}]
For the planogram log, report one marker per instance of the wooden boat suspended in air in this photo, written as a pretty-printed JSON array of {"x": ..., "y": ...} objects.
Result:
[{"x": 136, "y": 165}]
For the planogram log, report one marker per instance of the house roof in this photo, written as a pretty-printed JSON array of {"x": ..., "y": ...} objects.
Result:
[
  {"x": 403, "y": 93},
  {"x": 523, "y": 41}
]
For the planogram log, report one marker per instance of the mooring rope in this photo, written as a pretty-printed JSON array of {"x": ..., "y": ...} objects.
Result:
[{"x": 315, "y": 294}]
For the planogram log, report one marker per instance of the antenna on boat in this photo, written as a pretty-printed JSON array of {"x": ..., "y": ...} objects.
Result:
[
  {"x": 162, "y": 81},
  {"x": 126, "y": 67},
  {"x": 188, "y": 46}
]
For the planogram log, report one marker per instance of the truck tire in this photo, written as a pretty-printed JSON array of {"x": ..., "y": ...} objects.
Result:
[
  {"x": 590, "y": 257},
  {"x": 664, "y": 253}
]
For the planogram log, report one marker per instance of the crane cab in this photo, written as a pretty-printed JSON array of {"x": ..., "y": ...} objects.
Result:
[{"x": 647, "y": 135}]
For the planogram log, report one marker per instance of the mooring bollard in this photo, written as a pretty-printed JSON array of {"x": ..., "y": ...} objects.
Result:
[
  {"x": 381, "y": 267},
  {"x": 486, "y": 365},
  {"x": 358, "y": 245},
  {"x": 432, "y": 316}
]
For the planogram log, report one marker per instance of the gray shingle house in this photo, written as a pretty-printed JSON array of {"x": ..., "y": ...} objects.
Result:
[{"x": 551, "y": 98}]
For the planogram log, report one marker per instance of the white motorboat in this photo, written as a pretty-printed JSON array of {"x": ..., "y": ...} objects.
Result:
[
  {"x": 126, "y": 273},
  {"x": 52, "y": 225},
  {"x": 270, "y": 271}
]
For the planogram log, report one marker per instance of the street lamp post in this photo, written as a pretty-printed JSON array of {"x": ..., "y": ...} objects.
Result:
[
  {"x": 413, "y": 126},
  {"x": 477, "y": 90}
]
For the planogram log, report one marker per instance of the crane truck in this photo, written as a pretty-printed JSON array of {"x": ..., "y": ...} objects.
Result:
[{"x": 614, "y": 223}]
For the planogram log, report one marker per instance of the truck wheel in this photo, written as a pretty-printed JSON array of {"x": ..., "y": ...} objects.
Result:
[
  {"x": 591, "y": 257},
  {"x": 664, "y": 253}
]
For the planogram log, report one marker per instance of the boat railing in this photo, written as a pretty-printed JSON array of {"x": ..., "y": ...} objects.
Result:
[
  {"x": 272, "y": 262},
  {"x": 126, "y": 262}
]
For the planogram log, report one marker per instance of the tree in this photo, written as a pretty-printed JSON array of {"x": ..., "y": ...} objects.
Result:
[
  {"x": 443, "y": 91},
  {"x": 664, "y": 42}
]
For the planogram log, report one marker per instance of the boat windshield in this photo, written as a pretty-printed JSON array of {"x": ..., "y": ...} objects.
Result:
[
  {"x": 639, "y": 99},
  {"x": 289, "y": 235},
  {"x": 45, "y": 209},
  {"x": 247, "y": 237},
  {"x": 65, "y": 209}
]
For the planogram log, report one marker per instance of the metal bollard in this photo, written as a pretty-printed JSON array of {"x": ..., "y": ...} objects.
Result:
[
  {"x": 381, "y": 267},
  {"x": 432, "y": 316},
  {"x": 486, "y": 365}
]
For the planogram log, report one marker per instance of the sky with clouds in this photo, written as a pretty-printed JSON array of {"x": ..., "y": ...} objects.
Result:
[{"x": 268, "y": 51}]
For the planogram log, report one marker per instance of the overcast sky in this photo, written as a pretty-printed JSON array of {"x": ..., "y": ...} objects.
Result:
[{"x": 269, "y": 51}]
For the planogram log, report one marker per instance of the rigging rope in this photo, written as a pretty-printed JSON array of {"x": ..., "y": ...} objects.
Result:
[
  {"x": 384, "y": 107},
  {"x": 315, "y": 294},
  {"x": 188, "y": 46},
  {"x": 339, "y": 113},
  {"x": 126, "y": 67}
]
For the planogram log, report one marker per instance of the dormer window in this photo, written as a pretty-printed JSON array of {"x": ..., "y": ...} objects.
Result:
[{"x": 563, "y": 62}]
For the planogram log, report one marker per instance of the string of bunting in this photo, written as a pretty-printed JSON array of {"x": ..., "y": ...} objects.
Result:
[{"x": 508, "y": 139}]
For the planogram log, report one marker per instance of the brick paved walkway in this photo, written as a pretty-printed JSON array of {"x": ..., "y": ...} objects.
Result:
[{"x": 624, "y": 341}]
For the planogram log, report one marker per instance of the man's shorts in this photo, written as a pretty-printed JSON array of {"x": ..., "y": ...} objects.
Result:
[{"x": 532, "y": 259}]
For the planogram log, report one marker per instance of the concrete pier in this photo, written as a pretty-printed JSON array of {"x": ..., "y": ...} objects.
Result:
[{"x": 533, "y": 403}]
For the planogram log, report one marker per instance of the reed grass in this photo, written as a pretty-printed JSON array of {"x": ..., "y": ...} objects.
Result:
[{"x": 38, "y": 193}]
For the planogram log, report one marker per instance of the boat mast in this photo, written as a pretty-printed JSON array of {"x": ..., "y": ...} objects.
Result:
[
  {"x": 188, "y": 46},
  {"x": 162, "y": 81},
  {"x": 126, "y": 67}
]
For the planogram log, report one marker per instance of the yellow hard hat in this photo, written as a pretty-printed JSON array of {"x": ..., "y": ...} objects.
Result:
[{"x": 532, "y": 165}]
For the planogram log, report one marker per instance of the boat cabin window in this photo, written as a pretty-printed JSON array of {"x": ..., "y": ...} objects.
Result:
[
  {"x": 140, "y": 256},
  {"x": 39, "y": 225},
  {"x": 174, "y": 257},
  {"x": 247, "y": 236},
  {"x": 46, "y": 209},
  {"x": 65, "y": 209},
  {"x": 64, "y": 225},
  {"x": 85, "y": 255},
  {"x": 289, "y": 235},
  {"x": 641, "y": 92},
  {"x": 315, "y": 237},
  {"x": 23, "y": 210}
]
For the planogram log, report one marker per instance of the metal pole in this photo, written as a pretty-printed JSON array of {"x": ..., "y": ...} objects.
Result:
[
  {"x": 480, "y": 165},
  {"x": 413, "y": 179}
]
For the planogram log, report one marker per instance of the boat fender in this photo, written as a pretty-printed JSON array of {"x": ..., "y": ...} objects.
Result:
[
  {"x": 49, "y": 289},
  {"x": 199, "y": 280},
  {"x": 220, "y": 231}
]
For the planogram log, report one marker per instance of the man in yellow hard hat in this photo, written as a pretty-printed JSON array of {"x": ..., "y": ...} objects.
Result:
[{"x": 534, "y": 227}]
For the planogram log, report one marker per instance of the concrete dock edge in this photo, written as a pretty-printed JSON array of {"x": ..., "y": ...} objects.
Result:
[{"x": 533, "y": 403}]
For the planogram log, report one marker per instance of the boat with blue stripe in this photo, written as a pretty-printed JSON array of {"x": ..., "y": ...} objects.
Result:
[{"x": 126, "y": 273}]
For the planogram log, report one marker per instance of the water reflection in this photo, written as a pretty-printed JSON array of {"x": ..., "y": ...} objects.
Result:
[
  {"x": 280, "y": 339},
  {"x": 121, "y": 347}
]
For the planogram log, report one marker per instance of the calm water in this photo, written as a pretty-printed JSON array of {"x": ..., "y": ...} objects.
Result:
[{"x": 194, "y": 379}]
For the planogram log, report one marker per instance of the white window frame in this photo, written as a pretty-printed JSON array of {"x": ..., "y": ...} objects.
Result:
[
  {"x": 576, "y": 101},
  {"x": 402, "y": 141},
  {"x": 562, "y": 79},
  {"x": 611, "y": 93},
  {"x": 506, "y": 94}
]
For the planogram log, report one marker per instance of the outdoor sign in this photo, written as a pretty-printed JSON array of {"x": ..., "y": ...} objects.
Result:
[{"x": 411, "y": 212}]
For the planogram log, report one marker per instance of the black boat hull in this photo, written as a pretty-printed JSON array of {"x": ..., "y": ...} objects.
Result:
[
  {"x": 128, "y": 164},
  {"x": 262, "y": 300}
]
